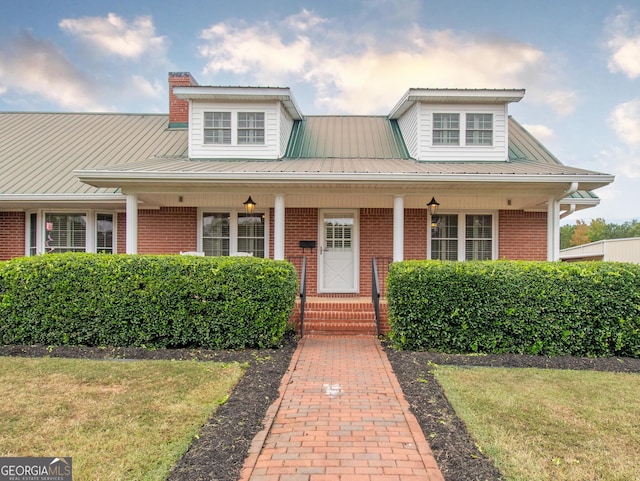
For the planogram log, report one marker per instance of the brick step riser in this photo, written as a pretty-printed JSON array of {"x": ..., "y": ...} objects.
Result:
[
  {"x": 336, "y": 307},
  {"x": 340, "y": 316},
  {"x": 339, "y": 330}
]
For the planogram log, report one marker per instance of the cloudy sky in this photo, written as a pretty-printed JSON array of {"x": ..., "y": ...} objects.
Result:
[{"x": 579, "y": 61}]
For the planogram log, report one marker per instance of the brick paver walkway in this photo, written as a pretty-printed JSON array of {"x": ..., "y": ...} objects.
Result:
[{"x": 341, "y": 416}]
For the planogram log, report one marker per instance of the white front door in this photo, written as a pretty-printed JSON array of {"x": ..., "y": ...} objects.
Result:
[{"x": 338, "y": 251}]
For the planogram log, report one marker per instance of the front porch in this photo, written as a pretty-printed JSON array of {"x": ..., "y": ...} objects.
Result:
[{"x": 342, "y": 314}]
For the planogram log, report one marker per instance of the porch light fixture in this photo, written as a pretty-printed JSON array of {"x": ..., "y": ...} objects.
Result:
[
  {"x": 433, "y": 206},
  {"x": 249, "y": 205}
]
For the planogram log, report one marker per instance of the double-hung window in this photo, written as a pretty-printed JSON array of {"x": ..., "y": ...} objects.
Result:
[
  {"x": 65, "y": 232},
  {"x": 250, "y": 127},
  {"x": 215, "y": 233},
  {"x": 444, "y": 237},
  {"x": 446, "y": 129},
  {"x": 229, "y": 233},
  {"x": 217, "y": 127},
  {"x": 479, "y": 129},
  {"x": 104, "y": 233},
  {"x": 251, "y": 234},
  {"x": 478, "y": 237},
  {"x": 467, "y": 237}
]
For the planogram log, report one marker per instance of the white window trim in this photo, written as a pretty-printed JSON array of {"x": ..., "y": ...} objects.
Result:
[
  {"x": 462, "y": 232},
  {"x": 233, "y": 228},
  {"x": 462, "y": 131},
  {"x": 90, "y": 234},
  {"x": 234, "y": 128}
]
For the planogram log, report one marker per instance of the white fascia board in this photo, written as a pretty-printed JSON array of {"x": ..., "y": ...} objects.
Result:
[
  {"x": 282, "y": 94},
  {"x": 593, "y": 201},
  {"x": 458, "y": 96}
]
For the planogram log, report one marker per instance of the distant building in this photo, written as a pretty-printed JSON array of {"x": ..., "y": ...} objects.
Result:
[{"x": 615, "y": 250}]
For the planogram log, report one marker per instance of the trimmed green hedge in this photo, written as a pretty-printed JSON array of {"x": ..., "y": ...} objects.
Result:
[
  {"x": 151, "y": 301},
  {"x": 547, "y": 308}
]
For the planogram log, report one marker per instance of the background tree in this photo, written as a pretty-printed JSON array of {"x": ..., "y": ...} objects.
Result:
[{"x": 598, "y": 229}]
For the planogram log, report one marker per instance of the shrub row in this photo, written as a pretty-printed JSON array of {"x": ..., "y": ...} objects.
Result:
[
  {"x": 150, "y": 301},
  {"x": 547, "y": 308}
]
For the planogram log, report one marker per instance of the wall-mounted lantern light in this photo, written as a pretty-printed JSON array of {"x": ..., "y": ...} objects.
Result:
[
  {"x": 433, "y": 206},
  {"x": 249, "y": 205}
]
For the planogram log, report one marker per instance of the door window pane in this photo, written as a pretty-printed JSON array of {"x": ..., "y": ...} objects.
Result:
[{"x": 338, "y": 233}]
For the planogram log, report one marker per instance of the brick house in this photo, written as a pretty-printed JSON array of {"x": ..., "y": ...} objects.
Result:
[{"x": 339, "y": 190}]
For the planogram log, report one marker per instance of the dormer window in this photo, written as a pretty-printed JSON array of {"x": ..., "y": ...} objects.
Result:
[
  {"x": 446, "y": 129},
  {"x": 234, "y": 128},
  {"x": 217, "y": 127},
  {"x": 479, "y": 129},
  {"x": 250, "y": 127}
]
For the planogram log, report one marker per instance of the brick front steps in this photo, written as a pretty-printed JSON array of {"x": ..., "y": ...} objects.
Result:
[{"x": 340, "y": 316}]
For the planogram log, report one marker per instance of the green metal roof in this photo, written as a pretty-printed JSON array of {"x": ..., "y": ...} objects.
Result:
[
  {"x": 40, "y": 151},
  {"x": 346, "y": 137}
]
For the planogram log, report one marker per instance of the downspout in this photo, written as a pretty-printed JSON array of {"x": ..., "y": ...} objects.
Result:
[{"x": 553, "y": 222}]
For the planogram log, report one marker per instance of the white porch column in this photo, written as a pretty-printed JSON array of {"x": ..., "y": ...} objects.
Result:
[
  {"x": 553, "y": 229},
  {"x": 132, "y": 224},
  {"x": 398, "y": 228},
  {"x": 278, "y": 228}
]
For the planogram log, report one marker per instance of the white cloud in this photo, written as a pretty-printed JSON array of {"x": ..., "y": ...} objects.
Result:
[
  {"x": 540, "y": 132},
  {"x": 357, "y": 72},
  {"x": 303, "y": 21},
  {"x": 562, "y": 101},
  {"x": 144, "y": 87},
  {"x": 625, "y": 122},
  {"x": 37, "y": 67},
  {"x": 624, "y": 43},
  {"x": 116, "y": 36}
]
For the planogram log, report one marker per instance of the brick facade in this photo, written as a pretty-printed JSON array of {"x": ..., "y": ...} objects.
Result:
[
  {"x": 522, "y": 235},
  {"x": 168, "y": 230},
  {"x": 12, "y": 235},
  {"x": 300, "y": 224}
]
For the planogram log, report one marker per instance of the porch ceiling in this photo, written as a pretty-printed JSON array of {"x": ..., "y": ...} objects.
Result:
[{"x": 452, "y": 199}]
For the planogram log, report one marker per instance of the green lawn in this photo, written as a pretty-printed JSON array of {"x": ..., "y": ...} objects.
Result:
[
  {"x": 118, "y": 420},
  {"x": 554, "y": 425}
]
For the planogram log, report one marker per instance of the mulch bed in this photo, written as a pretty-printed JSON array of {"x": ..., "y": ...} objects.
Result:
[{"x": 219, "y": 452}]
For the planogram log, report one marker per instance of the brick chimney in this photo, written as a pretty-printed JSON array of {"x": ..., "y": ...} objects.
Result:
[{"x": 179, "y": 109}]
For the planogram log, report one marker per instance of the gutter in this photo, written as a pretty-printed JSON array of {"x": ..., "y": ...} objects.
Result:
[{"x": 314, "y": 177}]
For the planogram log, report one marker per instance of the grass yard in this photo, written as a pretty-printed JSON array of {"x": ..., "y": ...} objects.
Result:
[
  {"x": 540, "y": 425},
  {"x": 118, "y": 420}
]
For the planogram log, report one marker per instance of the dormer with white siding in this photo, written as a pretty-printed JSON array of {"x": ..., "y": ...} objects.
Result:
[
  {"x": 238, "y": 122},
  {"x": 455, "y": 124}
]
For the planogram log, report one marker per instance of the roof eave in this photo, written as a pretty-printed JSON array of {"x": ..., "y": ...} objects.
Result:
[{"x": 456, "y": 96}]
